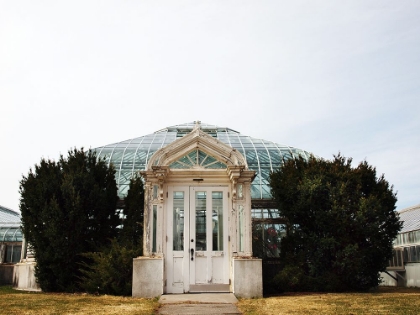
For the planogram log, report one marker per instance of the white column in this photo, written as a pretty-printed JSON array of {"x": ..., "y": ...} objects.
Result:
[{"x": 146, "y": 223}]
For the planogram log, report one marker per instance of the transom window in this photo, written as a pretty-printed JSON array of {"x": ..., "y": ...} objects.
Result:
[{"x": 197, "y": 159}]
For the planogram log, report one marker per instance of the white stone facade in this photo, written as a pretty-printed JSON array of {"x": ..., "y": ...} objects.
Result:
[{"x": 197, "y": 219}]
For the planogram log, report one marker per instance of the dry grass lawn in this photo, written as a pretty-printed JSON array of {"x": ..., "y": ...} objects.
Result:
[
  {"x": 386, "y": 300},
  {"x": 18, "y": 302}
]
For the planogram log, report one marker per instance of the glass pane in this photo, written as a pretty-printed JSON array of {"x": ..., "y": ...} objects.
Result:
[
  {"x": 178, "y": 213},
  {"x": 217, "y": 220},
  {"x": 200, "y": 221},
  {"x": 193, "y": 157},
  {"x": 201, "y": 157},
  {"x": 266, "y": 238},
  {"x": 8, "y": 254},
  {"x": 154, "y": 228},
  {"x": 178, "y": 165},
  {"x": 16, "y": 253},
  {"x": 187, "y": 161},
  {"x": 9, "y": 237},
  {"x": 197, "y": 158},
  {"x": 216, "y": 165}
]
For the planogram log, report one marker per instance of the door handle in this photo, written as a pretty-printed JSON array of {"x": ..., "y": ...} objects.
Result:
[{"x": 192, "y": 253}]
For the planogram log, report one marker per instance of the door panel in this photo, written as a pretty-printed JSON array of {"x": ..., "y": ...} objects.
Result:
[
  {"x": 197, "y": 258},
  {"x": 201, "y": 265},
  {"x": 208, "y": 213},
  {"x": 218, "y": 275},
  {"x": 178, "y": 270},
  {"x": 176, "y": 259}
]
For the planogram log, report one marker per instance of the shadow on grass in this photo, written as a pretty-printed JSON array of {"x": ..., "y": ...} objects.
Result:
[
  {"x": 8, "y": 289},
  {"x": 378, "y": 290}
]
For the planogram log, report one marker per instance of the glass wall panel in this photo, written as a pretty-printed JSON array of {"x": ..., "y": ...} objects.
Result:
[
  {"x": 18, "y": 235},
  {"x": 170, "y": 137},
  {"x": 265, "y": 160},
  {"x": 251, "y": 157},
  {"x": 13, "y": 253},
  {"x": 178, "y": 220},
  {"x": 200, "y": 221},
  {"x": 116, "y": 158},
  {"x": 266, "y": 191},
  {"x": 141, "y": 156},
  {"x": 276, "y": 158},
  {"x": 217, "y": 220},
  {"x": 9, "y": 254},
  {"x": 255, "y": 191},
  {"x": 266, "y": 238},
  {"x": 124, "y": 177},
  {"x": 412, "y": 237},
  {"x": 10, "y": 234},
  {"x": 123, "y": 190},
  {"x": 17, "y": 249},
  {"x": 285, "y": 151},
  {"x": 128, "y": 157},
  {"x": 265, "y": 213}
]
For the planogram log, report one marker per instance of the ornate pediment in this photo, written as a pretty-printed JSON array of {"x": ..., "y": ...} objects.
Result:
[{"x": 197, "y": 150}]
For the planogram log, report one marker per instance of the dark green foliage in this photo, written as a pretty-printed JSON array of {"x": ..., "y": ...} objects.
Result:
[
  {"x": 132, "y": 232},
  {"x": 341, "y": 224},
  {"x": 68, "y": 208},
  {"x": 109, "y": 271}
]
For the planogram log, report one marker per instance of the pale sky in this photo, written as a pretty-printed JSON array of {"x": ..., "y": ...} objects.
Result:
[{"x": 323, "y": 76}]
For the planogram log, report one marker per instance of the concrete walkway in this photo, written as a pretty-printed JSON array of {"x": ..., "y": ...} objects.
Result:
[{"x": 200, "y": 303}]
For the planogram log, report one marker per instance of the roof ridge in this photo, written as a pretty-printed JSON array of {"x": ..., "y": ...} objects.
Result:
[
  {"x": 9, "y": 210},
  {"x": 416, "y": 207}
]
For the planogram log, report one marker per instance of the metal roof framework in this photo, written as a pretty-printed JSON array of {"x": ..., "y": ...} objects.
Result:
[{"x": 262, "y": 156}]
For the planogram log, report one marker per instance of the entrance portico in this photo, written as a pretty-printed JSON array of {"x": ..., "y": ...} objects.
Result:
[{"x": 197, "y": 220}]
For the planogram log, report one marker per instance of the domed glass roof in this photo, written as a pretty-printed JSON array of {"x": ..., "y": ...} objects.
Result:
[{"x": 262, "y": 156}]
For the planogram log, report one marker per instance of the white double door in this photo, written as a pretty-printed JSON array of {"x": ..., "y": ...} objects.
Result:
[{"x": 197, "y": 257}]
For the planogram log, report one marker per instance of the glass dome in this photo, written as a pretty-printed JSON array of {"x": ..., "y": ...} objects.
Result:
[{"x": 262, "y": 156}]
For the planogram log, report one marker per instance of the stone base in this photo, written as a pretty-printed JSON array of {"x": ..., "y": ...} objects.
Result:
[
  {"x": 412, "y": 274},
  {"x": 387, "y": 281},
  {"x": 24, "y": 277},
  {"x": 147, "y": 277},
  {"x": 6, "y": 273},
  {"x": 247, "y": 277}
]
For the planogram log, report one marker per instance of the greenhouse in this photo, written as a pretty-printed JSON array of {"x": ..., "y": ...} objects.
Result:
[
  {"x": 10, "y": 243},
  {"x": 207, "y": 204},
  {"x": 10, "y": 236},
  {"x": 262, "y": 156},
  {"x": 404, "y": 267}
]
